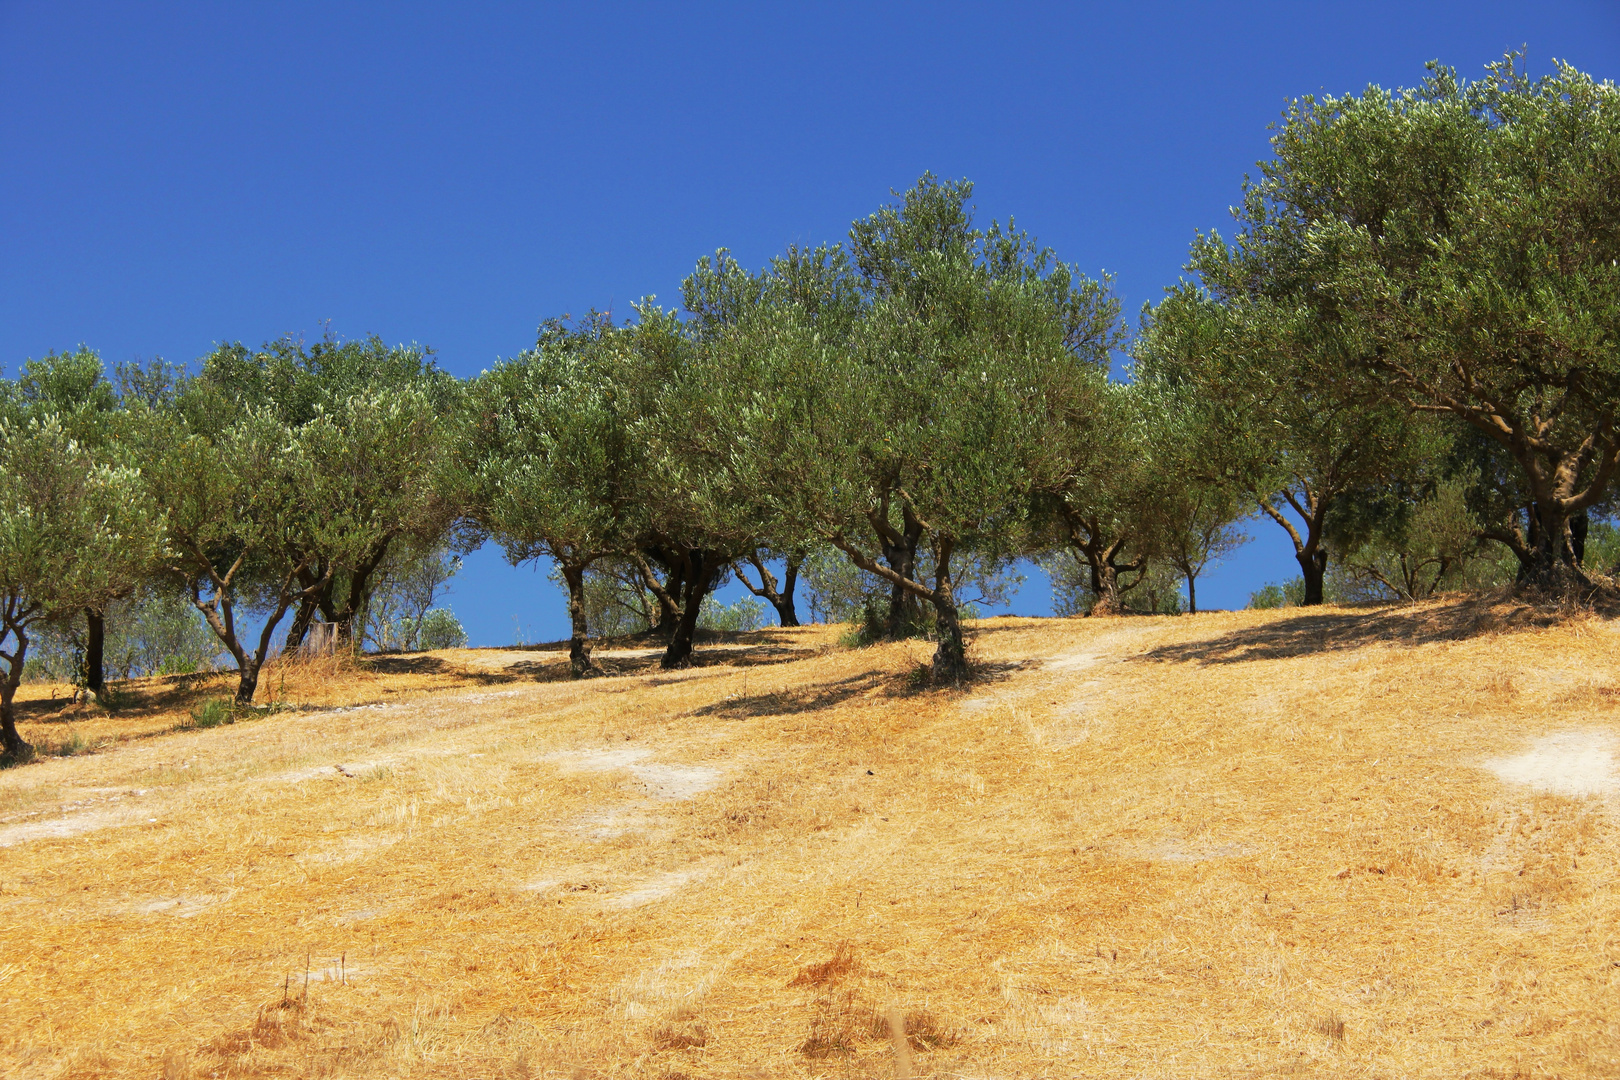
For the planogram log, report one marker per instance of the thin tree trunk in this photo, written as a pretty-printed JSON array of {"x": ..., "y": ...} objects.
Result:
[
  {"x": 95, "y": 647},
  {"x": 302, "y": 619},
  {"x": 667, "y": 593},
  {"x": 1192, "y": 594},
  {"x": 359, "y": 586},
  {"x": 307, "y": 607},
  {"x": 782, "y": 601},
  {"x": 248, "y": 681}
]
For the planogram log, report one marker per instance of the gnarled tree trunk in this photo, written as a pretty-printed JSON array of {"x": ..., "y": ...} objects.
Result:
[
  {"x": 701, "y": 568},
  {"x": 579, "y": 641},
  {"x": 12, "y": 746},
  {"x": 95, "y": 649},
  {"x": 905, "y": 617},
  {"x": 1102, "y": 555},
  {"x": 950, "y": 656},
  {"x": 781, "y": 600}
]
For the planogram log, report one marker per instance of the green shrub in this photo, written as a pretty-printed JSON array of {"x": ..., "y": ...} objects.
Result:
[
  {"x": 72, "y": 746},
  {"x": 177, "y": 665},
  {"x": 746, "y": 614},
  {"x": 213, "y": 713},
  {"x": 441, "y": 630},
  {"x": 1271, "y": 595}
]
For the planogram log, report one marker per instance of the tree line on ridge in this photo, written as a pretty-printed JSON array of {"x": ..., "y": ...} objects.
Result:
[{"x": 1406, "y": 358}]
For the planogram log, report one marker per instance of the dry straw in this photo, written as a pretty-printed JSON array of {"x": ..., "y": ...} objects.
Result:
[{"x": 1237, "y": 844}]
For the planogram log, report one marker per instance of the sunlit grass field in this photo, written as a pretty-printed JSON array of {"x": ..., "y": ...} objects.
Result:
[{"x": 1334, "y": 843}]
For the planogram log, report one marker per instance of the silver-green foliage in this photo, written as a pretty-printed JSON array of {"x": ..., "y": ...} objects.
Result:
[
  {"x": 75, "y": 532},
  {"x": 741, "y": 616},
  {"x": 150, "y": 633},
  {"x": 1453, "y": 244},
  {"x": 437, "y": 629}
]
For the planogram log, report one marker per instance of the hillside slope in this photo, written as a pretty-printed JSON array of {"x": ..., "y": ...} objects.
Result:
[{"x": 1336, "y": 843}]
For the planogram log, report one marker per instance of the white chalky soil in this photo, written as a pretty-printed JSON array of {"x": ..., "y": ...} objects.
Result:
[{"x": 1573, "y": 763}]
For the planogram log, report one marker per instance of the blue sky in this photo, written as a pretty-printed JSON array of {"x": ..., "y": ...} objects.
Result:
[{"x": 178, "y": 175}]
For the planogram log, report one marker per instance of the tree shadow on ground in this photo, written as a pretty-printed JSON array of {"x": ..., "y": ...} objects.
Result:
[
  {"x": 166, "y": 693},
  {"x": 806, "y": 699},
  {"x": 405, "y": 664},
  {"x": 646, "y": 661},
  {"x": 994, "y": 671},
  {"x": 1316, "y": 631}
]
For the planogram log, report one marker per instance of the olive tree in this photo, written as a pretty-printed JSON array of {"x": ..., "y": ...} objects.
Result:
[
  {"x": 1274, "y": 414},
  {"x": 1191, "y": 510},
  {"x": 1098, "y": 501},
  {"x": 376, "y": 423},
  {"x": 692, "y": 516},
  {"x": 75, "y": 533},
  {"x": 1458, "y": 243},
  {"x": 73, "y": 387},
  {"x": 916, "y": 423},
  {"x": 552, "y": 467},
  {"x": 235, "y": 487}
]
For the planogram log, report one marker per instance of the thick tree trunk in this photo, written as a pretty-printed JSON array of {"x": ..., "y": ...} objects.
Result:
[
  {"x": 1313, "y": 568},
  {"x": 785, "y": 611},
  {"x": 579, "y": 642},
  {"x": 905, "y": 617},
  {"x": 12, "y": 746},
  {"x": 1192, "y": 594},
  {"x": 1554, "y": 566},
  {"x": 702, "y": 567},
  {"x": 95, "y": 647},
  {"x": 899, "y": 548},
  {"x": 1105, "y": 583},
  {"x": 1105, "y": 587},
  {"x": 950, "y": 656},
  {"x": 247, "y": 681}
]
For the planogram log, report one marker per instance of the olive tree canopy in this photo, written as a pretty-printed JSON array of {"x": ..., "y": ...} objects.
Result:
[
  {"x": 552, "y": 468},
  {"x": 75, "y": 533},
  {"x": 916, "y": 421},
  {"x": 1459, "y": 242}
]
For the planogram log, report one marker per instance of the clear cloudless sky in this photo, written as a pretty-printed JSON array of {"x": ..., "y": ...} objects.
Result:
[{"x": 183, "y": 174}]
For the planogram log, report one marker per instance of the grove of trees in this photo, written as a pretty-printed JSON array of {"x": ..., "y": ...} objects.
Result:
[{"x": 1407, "y": 357}]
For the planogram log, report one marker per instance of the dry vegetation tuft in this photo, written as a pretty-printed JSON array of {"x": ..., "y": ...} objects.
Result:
[{"x": 1334, "y": 843}]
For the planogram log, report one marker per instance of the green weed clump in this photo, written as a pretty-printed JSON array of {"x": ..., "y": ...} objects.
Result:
[{"x": 215, "y": 712}]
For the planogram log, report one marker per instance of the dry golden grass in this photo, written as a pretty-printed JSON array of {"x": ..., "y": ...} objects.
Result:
[{"x": 1249, "y": 844}]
